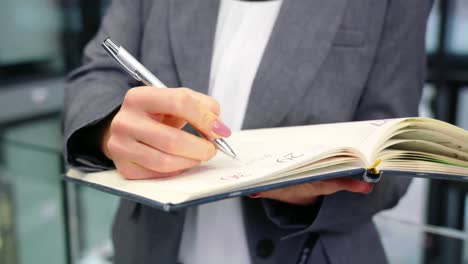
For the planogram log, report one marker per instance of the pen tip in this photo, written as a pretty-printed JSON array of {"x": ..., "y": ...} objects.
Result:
[
  {"x": 231, "y": 154},
  {"x": 222, "y": 145}
]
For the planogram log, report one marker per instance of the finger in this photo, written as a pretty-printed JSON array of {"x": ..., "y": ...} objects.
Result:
[
  {"x": 173, "y": 121},
  {"x": 345, "y": 184},
  {"x": 168, "y": 139},
  {"x": 179, "y": 103},
  {"x": 209, "y": 101},
  {"x": 159, "y": 161},
  {"x": 308, "y": 192},
  {"x": 301, "y": 194},
  {"x": 133, "y": 171},
  {"x": 152, "y": 159},
  {"x": 169, "y": 120}
]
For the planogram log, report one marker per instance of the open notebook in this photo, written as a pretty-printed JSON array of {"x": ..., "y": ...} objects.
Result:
[{"x": 277, "y": 157}]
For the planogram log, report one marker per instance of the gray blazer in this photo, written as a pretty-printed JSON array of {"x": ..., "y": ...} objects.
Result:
[{"x": 326, "y": 61}]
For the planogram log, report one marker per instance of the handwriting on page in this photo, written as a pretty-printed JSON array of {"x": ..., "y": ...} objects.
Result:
[
  {"x": 236, "y": 176},
  {"x": 243, "y": 174},
  {"x": 379, "y": 122},
  {"x": 289, "y": 157},
  {"x": 245, "y": 170}
]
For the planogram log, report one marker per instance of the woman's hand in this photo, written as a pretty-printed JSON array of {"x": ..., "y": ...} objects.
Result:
[
  {"x": 145, "y": 140},
  {"x": 308, "y": 193}
]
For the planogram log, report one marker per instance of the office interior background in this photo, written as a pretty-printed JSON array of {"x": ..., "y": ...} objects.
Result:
[{"x": 45, "y": 220}]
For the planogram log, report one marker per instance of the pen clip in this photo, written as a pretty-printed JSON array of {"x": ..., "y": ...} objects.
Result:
[{"x": 113, "y": 54}]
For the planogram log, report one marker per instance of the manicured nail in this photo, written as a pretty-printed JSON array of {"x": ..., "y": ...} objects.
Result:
[
  {"x": 370, "y": 187},
  {"x": 221, "y": 129},
  {"x": 254, "y": 195}
]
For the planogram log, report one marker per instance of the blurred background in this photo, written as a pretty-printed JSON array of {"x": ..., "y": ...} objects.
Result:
[{"x": 44, "y": 220}]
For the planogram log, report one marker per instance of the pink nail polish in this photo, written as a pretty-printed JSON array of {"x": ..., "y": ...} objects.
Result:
[{"x": 221, "y": 129}]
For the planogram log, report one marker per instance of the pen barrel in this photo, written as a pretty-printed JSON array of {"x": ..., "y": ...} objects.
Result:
[{"x": 145, "y": 75}]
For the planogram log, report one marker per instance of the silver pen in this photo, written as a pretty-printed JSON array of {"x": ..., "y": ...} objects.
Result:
[{"x": 140, "y": 73}]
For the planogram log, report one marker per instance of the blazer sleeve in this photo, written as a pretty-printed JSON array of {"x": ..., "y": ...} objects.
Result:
[
  {"x": 393, "y": 90},
  {"x": 97, "y": 88}
]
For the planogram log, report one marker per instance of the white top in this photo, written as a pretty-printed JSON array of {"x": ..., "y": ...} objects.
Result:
[{"x": 214, "y": 233}]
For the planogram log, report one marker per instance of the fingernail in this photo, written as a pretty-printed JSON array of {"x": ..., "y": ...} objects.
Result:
[
  {"x": 254, "y": 195},
  {"x": 221, "y": 129},
  {"x": 369, "y": 189}
]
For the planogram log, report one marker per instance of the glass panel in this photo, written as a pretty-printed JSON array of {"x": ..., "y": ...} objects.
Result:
[
  {"x": 406, "y": 242},
  {"x": 432, "y": 30},
  {"x": 427, "y": 98},
  {"x": 45, "y": 39},
  {"x": 35, "y": 34},
  {"x": 458, "y": 37},
  {"x": 31, "y": 163},
  {"x": 34, "y": 43},
  {"x": 8, "y": 250},
  {"x": 462, "y": 111},
  {"x": 32, "y": 198},
  {"x": 97, "y": 213}
]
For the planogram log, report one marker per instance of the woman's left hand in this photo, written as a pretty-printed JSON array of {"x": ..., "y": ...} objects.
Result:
[{"x": 307, "y": 193}]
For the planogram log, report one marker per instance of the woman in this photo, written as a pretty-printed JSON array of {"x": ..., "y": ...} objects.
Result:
[{"x": 262, "y": 64}]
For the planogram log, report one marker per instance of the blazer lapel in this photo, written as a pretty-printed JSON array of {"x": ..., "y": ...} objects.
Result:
[
  {"x": 299, "y": 43},
  {"x": 192, "y": 29}
]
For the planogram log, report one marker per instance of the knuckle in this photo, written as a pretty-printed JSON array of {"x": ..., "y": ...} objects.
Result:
[
  {"x": 214, "y": 105},
  {"x": 185, "y": 97},
  {"x": 132, "y": 98},
  {"x": 183, "y": 101},
  {"x": 206, "y": 119},
  {"x": 113, "y": 145},
  {"x": 112, "y": 148},
  {"x": 118, "y": 125}
]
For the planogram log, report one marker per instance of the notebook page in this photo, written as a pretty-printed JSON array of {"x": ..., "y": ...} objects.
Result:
[
  {"x": 215, "y": 176},
  {"x": 363, "y": 136}
]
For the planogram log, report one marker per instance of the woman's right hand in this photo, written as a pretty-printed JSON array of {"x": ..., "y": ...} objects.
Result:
[{"x": 144, "y": 139}]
